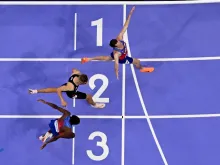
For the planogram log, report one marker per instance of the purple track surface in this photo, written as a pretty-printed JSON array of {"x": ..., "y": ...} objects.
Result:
[{"x": 174, "y": 88}]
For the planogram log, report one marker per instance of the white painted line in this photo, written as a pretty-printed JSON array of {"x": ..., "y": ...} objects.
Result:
[
  {"x": 180, "y": 59},
  {"x": 123, "y": 102},
  {"x": 106, "y": 2},
  {"x": 79, "y": 59},
  {"x": 184, "y": 116},
  {"x": 57, "y": 116},
  {"x": 113, "y": 116},
  {"x": 74, "y": 102},
  {"x": 75, "y": 30},
  {"x": 73, "y": 147}
]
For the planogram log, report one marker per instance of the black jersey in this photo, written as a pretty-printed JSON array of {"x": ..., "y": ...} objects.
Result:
[
  {"x": 72, "y": 82},
  {"x": 74, "y": 93}
]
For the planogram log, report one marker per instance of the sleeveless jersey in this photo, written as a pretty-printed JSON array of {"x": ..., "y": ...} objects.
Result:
[
  {"x": 71, "y": 81},
  {"x": 123, "y": 51}
]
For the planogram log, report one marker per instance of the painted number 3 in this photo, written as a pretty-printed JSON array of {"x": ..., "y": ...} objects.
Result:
[
  {"x": 102, "y": 144},
  {"x": 101, "y": 90}
]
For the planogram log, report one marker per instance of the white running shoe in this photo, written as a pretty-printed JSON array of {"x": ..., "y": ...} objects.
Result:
[
  {"x": 32, "y": 91},
  {"x": 99, "y": 105},
  {"x": 45, "y": 137}
]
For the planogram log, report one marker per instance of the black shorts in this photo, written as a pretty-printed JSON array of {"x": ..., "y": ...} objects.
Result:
[{"x": 75, "y": 94}]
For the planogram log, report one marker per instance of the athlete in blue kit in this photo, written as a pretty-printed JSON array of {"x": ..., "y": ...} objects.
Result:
[
  {"x": 119, "y": 53},
  {"x": 59, "y": 128}
]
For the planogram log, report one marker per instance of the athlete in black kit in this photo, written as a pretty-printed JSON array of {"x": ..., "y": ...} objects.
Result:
[{"x": 70, "y": 88}]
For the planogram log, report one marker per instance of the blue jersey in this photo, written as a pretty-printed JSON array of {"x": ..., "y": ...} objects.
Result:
[
  {"x": 123, "y": 51},
  {"x": 123, "y": 58}
]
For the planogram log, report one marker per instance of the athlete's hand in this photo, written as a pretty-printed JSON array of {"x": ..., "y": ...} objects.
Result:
[
  {"x": 43, "y": 146},
  {"x": 117, "y": 75},
  {"x": 116, "y": 72},
  {"x": 63, "y": 103},
  {"x": 132, "y": 10},
  {"x": 41, "y": 100}
]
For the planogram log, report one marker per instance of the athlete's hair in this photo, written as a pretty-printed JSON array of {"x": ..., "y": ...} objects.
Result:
[
  {"x": 113, "y": 42},
  {"x": 74, "y": 120},
  {"x": 83, "y": 78}
]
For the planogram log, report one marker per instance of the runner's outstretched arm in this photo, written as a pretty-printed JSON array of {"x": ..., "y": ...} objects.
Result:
[
  {"x": 63, "y": 111},
  {"x": 116, "y": 56},
  {"x": 99, "y": 58},
  {"x": 125, "y": 27}
]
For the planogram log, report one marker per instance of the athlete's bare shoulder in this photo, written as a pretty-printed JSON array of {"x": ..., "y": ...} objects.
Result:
[{"x": 76, "y": 71}]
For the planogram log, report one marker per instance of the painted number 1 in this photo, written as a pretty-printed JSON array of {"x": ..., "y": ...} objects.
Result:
[{"x": 99, "y": 31}]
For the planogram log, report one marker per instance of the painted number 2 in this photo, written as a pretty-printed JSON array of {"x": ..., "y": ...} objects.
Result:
[
  {"x": 101, "y": 90},
  {"x": 99, "y": 31},
  {"x": 102, "y": 144}
]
